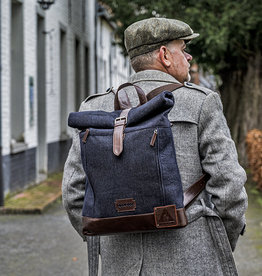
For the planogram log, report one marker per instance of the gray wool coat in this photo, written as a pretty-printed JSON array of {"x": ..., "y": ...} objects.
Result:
[{"x": 216, "y": 218}]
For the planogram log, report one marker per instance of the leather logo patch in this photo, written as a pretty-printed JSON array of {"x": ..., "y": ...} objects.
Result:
[
  {"x": 165, "y": 216},
  {"x": 125, "y": 205}
]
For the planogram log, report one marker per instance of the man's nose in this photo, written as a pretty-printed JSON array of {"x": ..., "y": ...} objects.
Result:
[{"x": 188, "y": 56}]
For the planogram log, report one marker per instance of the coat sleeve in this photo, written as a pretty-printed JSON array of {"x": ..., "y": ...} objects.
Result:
[
  {"x": 73, "y": 193},
  {"x": 219, "y": 159},
  {"x": 73, "y": 185}
]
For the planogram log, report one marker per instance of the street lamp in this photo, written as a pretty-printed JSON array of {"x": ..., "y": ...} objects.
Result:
[{"x": 45, "y": 4}]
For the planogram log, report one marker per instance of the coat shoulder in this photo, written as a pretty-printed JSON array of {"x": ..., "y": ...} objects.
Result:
[
  {"x": 100, "y": 101},
  {"x": 188, "y": 103},
  {"x": 198, "y": 88},
  {"x": 97, "y": 95}
]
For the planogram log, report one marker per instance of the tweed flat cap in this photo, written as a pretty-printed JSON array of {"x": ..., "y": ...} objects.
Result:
[{"x": 149, "y": 34}]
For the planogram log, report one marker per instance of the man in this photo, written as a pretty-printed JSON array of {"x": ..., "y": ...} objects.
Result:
[
  {"x": 200, "y": 79},
  {"x": 157, "y": 50}
]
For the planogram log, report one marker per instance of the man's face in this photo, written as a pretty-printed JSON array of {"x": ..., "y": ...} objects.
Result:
[{"x": 180, "y": 59}]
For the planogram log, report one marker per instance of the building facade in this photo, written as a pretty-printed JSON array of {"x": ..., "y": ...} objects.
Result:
[{"x": 51, "y": 61}]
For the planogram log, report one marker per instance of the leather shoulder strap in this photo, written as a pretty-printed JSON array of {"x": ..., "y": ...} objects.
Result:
[
  {"x": 193, "y": 191},
  {"x": 168, "y": 87}
]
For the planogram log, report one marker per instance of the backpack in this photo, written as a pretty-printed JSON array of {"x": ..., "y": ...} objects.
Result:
[{"x": 132, "y": 177}]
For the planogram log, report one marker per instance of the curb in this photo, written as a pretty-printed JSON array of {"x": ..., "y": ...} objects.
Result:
[
  {"x": 39, "y": 210},
  {"x": 35, "y": 199}
]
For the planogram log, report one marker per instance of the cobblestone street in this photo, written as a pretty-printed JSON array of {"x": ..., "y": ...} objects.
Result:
[{"x": 43, "y": 245}]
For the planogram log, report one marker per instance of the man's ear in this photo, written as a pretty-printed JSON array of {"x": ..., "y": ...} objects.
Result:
[{"x": 164, "y": 56}]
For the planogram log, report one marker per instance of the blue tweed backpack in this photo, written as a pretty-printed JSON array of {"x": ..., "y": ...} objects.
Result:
[{"x": 132, "y": 178}]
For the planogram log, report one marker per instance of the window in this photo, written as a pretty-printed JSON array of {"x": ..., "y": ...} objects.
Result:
[{"x": 17, "y": 77}]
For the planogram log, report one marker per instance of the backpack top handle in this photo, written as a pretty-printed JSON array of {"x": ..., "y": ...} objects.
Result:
[{"x": 121, "y": 99}]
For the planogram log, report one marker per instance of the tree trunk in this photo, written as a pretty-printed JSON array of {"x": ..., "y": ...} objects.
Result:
[{"x": 242, "y": 99}]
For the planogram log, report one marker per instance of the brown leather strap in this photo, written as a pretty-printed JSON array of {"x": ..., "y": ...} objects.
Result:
[
  {"x": 194, "y": 190},
  {"x": 122, "y": 100},
  {"x": 118, "y": 135},
  {"x": 169, "y": 87},
  {"x": 132, "y": 223}
]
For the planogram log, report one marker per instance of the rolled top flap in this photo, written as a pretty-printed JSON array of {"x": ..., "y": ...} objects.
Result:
[
  {"x": 160, "y": 105},
  {"x": 93, "y": 119}
]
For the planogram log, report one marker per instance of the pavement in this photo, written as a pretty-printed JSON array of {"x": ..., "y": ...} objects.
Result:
[
  {"x": 36, "y": 237},
  {"x": 41, "y": 245},
  {"x": 248, "y": 253},
  {"x": 46, "y": 244}
]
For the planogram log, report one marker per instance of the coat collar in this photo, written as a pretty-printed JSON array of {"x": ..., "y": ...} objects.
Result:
[{"x": 152, "y": 75}]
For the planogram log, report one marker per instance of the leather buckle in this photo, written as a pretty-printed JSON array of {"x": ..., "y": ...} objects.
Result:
[{"x": 165, "y": 216}]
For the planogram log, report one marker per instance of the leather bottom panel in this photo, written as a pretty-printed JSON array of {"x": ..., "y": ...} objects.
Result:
[{"x": 128, "y": 224}]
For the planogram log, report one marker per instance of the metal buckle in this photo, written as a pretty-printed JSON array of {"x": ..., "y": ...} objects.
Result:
[
  {"x": 119, "y": 119},
  {"x": 165, "y": 216}
]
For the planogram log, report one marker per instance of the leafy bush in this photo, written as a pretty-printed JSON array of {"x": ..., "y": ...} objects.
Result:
[{"x": 254, "y": 154}]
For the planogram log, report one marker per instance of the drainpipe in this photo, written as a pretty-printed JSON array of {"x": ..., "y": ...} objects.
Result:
[{"x": 1, "y": 161}]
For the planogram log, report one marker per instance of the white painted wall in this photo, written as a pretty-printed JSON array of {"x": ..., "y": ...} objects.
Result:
[
  {"x": 58, "y": 15},
  {"x": 5, "y": 75},
  {"x": 90, "y": 32},
  {"x": 116, "y": 72}
]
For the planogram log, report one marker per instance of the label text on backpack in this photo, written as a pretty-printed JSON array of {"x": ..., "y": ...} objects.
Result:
[
  {"x": 126, "y": 204},
  {"x": 165, "y": 216}
]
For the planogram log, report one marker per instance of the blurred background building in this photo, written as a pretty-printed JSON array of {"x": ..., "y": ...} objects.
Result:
[{"x": 51, "y": 60}]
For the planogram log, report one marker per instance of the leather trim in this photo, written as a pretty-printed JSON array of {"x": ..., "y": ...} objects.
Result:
[
  {"x": 169, "y": 87},
  {"x": 125, "y": 204},
  {"x": 144, "y": 222},
  {"x": 126, "y": 224},
  {"x": 165, "y": 216},
  {"x": 85, "y": 135},
  {"x": 118, "y": 135},
  {"x": 122, "y": 101},
  {"x": 194, "y": 190}
]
